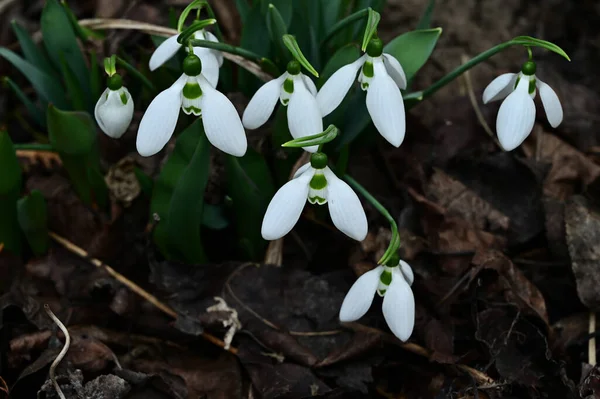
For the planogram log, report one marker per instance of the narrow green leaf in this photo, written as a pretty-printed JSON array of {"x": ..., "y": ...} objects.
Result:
[
  {"x": 82, "y": 32},
  {"x": 255, "y": 38},
  {"x": 10, "y": 187},
  {"x": 331, "y": 10},
  {"x": 95, "y": 76},
  {"x": 356, "y": 119},
  {"x": 96, "y": 182},
  {"x": 413, "y": 49},
  {"x": 425, "y": 20},
  {"x": 344, "y": 23},
  {"x": 45, "y": 85},
  {"x": 136, "y": 74},
  {"x": 74, "y": 90},
  {"x": 344, "y": 56},
  {"x": 169, "y": 176},
  {"x": 277, "y": 28},
  {"x": 32, "y": 109},
  {"x": 250, "y": 186},
  {"x": 534, "y": 42},
  {"x": 60, "y": 41},
  {"x": 285, "y": 9},
  {"x": 292, "y": 45},
  {"x": 185, "y": 210},
  {"x": 31, "y": 51},
  {"x": 243, "y": 9},
  {"x": 213, "y": 217},
  {"x": 33, "y": 219},
  {"x": 371, "y": 29}
]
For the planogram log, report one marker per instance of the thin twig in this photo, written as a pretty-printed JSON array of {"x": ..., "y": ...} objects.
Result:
[
  {"x": 132, "y": 286},
  {"x": 592, "y": 341},
  {"x": 62, "y": 353},
  {"x": 128, "y": 24},
  {"x": 1, "y": 246},
  {"x": 4, "y": 386}
]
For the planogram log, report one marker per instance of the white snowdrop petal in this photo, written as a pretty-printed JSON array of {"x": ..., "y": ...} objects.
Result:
[
  {"x": 285, "y": 208},
  {"x": 115, "y": 115},
  {"x": 221, "y": 121},
  {"x": 210, "y": 65},
  {"x": 164, "y": 52},
  {"x": 386, "y": 107},
  {"x": 360, "y": 297},
  {"x": 335, "y": 89},
  {"x": 394, "y": 69},
  {"x": 399, "y": 307},
  {"x": 210, "y": 37},
  {"x": 516, "y": 117},
  {"x": 500, "y": 87},
  {"x": 99, "y": 103},
  {"x": 304, "y": 117},
  {"x": 346, "y": 211},
  {"x": 310, "y": 85},
  {"x": 301, "y": 170},
  {"x": 407, "y": 272},
  {"x": 262, "y": 104},
  {"x": 159, "y": 120},
  {"x": 551, "y": 103}
]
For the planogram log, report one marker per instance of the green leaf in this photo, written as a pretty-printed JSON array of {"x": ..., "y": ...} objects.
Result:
[
  {"x": 33, "y": 219},
  {"x": 213, "y": 217},
  {"x": 185, "y": 210},
  {"x": 74, "y": 90},
  {"x": 371, "y": 28},
  {"x": 95, "y": 76},
  {"x": 284, "y": 158},
  {"x": 292, "y": 45},
  {"x": 60, "y": 41},
  {"x": 331, "y": 10},
  {"x": 34, "y": 111},
  {"x": 534, "y": 42},
  {"x": 344, "y": 56},
  {"x": 146, "y": 183},
  {"x": 356, "y": 118},
  {"x": 169, "y": 176},
  {"x": 243, "y": 9},
  {"x": 250, "y": 186},
  {"x": 255, "y": 38},
  {"x": 277, "y": 28},
  {"x": 425, "y": 20},
  {"x": 31, "y": 51},
  {"x": 10, "y": 187},
  {"x": 71, "y": 132},
  {"x": 45, "y": 85},
  {"x": 285, "y": 9},
  {"x": 82, "y": 32},
  {"x": 413, "y": 49}
]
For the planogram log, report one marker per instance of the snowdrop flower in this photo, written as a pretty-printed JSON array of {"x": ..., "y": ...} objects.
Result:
[
  {"x": 114, "y": 109},
  {"x": 517, "y": 113},
  {"x": 192, "y": 93},
  {"x": 211, "y": 59},
  {"x": 382, "y": 76},
  {"x": 317, "y": 183},
  {"x": 294, "y": 90},
  {"x": 393, "y": 284}
]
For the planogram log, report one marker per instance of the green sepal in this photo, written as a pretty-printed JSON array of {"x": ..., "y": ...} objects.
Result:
[
  {"x": 33, "y": 219},
  {"x": 292, "y": 45},
  {"x": 316, "y": 139},
  {"x": 10, "y": 188},
  {"x": 250, "y": 186},
  {"x": 373, "y": 19}
]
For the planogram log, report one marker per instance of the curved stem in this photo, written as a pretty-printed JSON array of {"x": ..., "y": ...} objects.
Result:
[
  {"x": 137, "y": 74},
  {"x": 395, "y": 241},
  {"x": 228, "y": 48},
  {"x": 34, "y": 147},
  {"x": 343, "y": 23}
]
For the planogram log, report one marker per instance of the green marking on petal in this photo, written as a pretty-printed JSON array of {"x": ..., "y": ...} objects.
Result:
[
  {"x": 192, "y": 91},
  {"x": 381, "y": 292},
  {"x": 318, "y": 182},
  {"x": 367, "y": 69},
  {"x": 532, "y": 86},
  {"x": 385, "y": 277},
  {"x": 317, "y": 200},
  {"x": 288, "y": 85},
  {"x": 192, "y": 110},
  {"x": 123, "y": 98}
]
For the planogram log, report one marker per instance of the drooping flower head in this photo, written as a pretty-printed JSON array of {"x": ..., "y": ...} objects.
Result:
[
  {"x": 516, "y": 116},
  {"x": 316, "y": 183},
  {"x": 294, "y": 90},
  {"x": 393, "y": 284},
  {"x": 382, "y": 76},
  {"x": 114, "y": 109},
  {"x": 211, "y": 59},
  {"x": 194, "y": 95}
]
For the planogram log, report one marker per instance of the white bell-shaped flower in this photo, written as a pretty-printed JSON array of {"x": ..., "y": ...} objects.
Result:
[
  {"x": 114, "y": 109},
  {"x": 211, "y": 59},
  {"x": 393, "y": 284},
  {"x": 317, "y": 183},
  {"x": 294, "y": 90},
  {"x": 192, "y": 93},
  {"x": 382, "y": 76},
  {"x": 516, "y": 116}
]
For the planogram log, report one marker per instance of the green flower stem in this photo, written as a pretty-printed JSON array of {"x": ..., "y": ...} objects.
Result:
[
  {"x": 137, "y": 74},
  {"x": 395, "y": 241},
  {"x": 34, "y": 147},
  {"x": 349, "y": 20},
  {"x": 228, "y": 48}
]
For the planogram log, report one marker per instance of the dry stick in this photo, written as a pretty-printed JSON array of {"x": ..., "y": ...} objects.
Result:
[
  {"x": 132, "y": 286},
  {"x": 62, "y": 353},
  {"x": 592, "y": 341},
  {"x": 475, "y": 104},
  {"x": 128, "y": 24}
]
